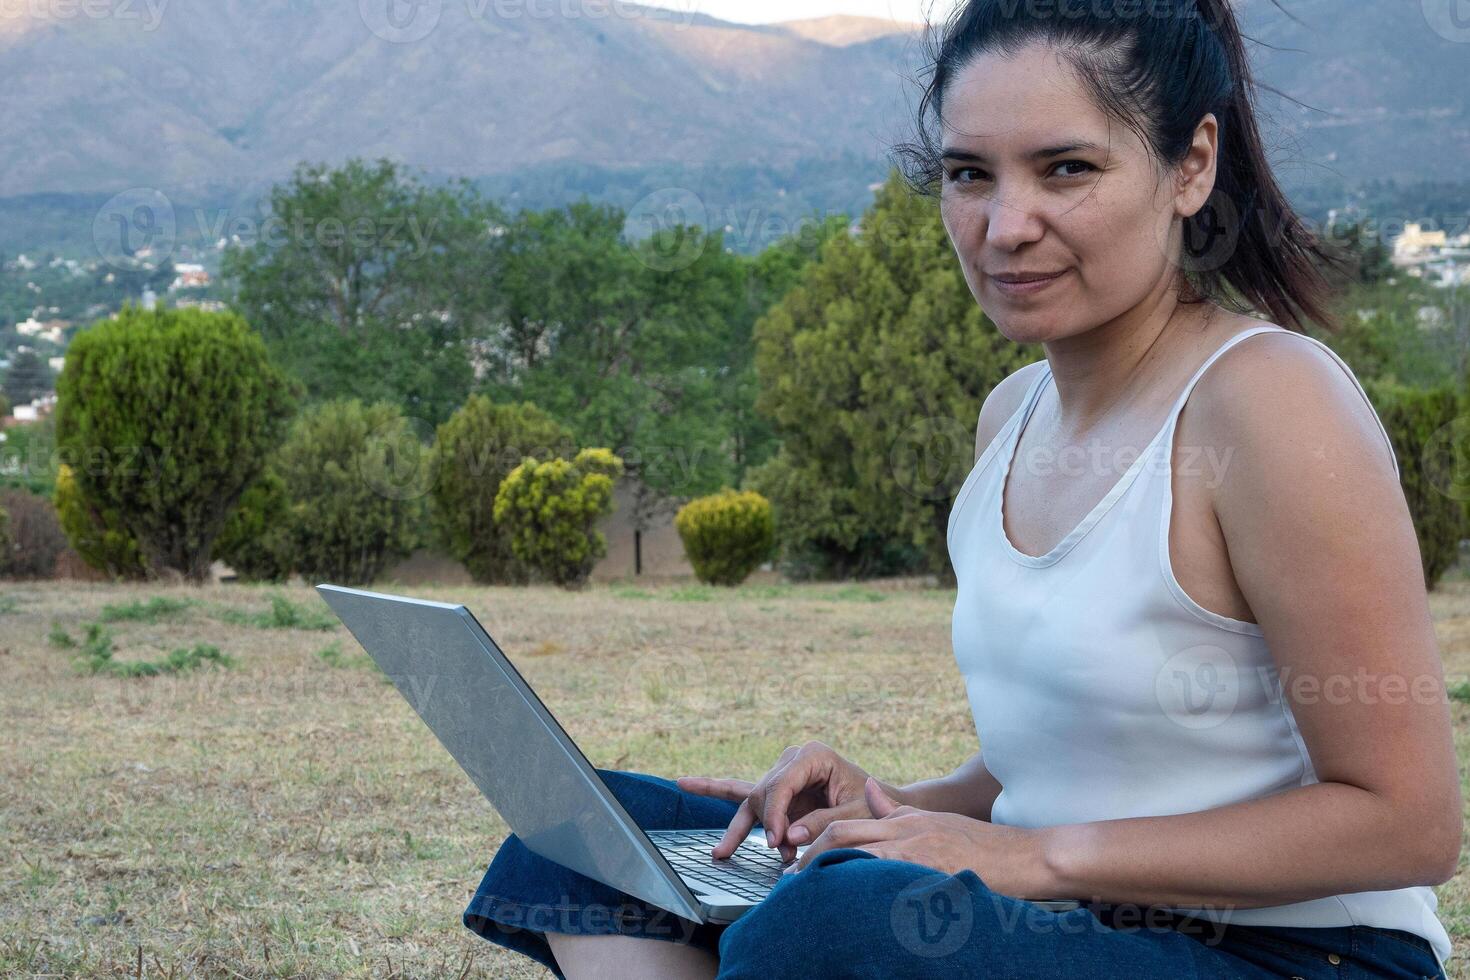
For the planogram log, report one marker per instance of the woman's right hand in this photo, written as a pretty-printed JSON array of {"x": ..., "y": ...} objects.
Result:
[{"x": 809, "y": 787}]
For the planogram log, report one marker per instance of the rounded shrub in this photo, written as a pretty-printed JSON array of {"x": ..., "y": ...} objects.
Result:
[
  {"x": 256, "y": 542},
  {"x": 473, "y": 452},
  {"x": 166, "y": 416},
  {"x": 727, "y": 535},
  {"x": 349, "y": 521},
  {"x": 550, "y": 510}
]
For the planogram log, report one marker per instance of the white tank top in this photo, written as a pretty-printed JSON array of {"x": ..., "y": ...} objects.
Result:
[{"x": 1101, "y": 690}]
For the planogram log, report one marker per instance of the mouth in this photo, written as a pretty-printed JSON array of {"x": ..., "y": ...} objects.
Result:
[{"x": 1025, "y": 285}]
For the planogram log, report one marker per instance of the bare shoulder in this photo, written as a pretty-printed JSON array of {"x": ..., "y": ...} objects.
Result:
[
  {"x": 1281, "y": 393},
  {"x": 1002, "y": 403}
]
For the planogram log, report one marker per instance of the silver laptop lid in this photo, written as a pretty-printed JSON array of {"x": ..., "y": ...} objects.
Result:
[{"x": 465, "y": 689}]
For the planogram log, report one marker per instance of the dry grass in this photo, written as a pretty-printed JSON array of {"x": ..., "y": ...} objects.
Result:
[{"x": 293, "y": 817}]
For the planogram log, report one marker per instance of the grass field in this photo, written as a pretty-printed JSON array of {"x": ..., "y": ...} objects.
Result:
[{"x": 290, "y": 816}]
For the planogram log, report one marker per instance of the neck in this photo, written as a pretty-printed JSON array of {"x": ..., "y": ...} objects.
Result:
[{"x": 1110, "y": 368}]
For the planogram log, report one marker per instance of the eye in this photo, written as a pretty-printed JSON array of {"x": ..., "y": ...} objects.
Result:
[
  {"x": 955, "y": 175},
  {"x": 1076, "y": 163}
]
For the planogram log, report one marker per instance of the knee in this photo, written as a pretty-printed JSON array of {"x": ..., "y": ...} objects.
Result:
[{"x": 828, "y": 908}]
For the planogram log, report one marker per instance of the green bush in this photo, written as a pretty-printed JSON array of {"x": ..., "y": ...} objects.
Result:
[
  {"x": 550, "y": 509},
  {"x": 96, "y": 533},
  {"x": 473, "y": 452},
  {"x": 349, "y": 518},
  {"x": 727, "y": 535},
  {"x": 256, "y": 540},
  {"x": 166, "y": 417},
  {"x": 1427, "y": 431}
]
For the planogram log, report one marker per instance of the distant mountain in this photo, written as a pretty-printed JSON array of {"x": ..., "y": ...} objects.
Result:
[{"x": 183, "y": 95}]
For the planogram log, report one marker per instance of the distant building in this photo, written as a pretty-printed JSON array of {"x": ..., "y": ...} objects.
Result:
[
  {"x": 1415, "y": 242},
  {"x": 188, "y": 275},
  {"x": 56, "y": 363},
  {"x": 30, "y": 327}
]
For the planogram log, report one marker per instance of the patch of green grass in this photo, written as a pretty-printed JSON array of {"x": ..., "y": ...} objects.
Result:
[
  {"x": 691, "y": 593},
  {"x": 627, "y": 592},
  {"x": 332, "y": 656},
  {"x": 1459, "y": 691},
  {"x": 8, "y": 604},
  {"x": 283, "y": 615},
  {"x": 147, "y": 611},
  {"x": 855, "y": 593},
  {"x": 96, "y": 657},
  {"x": 60, "y": 638}
]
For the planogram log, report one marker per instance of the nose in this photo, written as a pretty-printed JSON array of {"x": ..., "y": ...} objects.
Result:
[{"x": 1012, "y": 220}]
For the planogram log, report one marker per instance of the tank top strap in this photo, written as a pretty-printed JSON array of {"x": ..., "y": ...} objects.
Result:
[{"x": 1271, "y": 328}]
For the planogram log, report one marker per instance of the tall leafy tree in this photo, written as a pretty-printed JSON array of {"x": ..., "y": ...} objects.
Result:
[
  {"x": 873, "y": 369},
  {"x": 166, "y": 416},
  {"x": 365, "y": 282},
  {"x": 619, "y": 343},
  {"x": 28, "y": 378}
]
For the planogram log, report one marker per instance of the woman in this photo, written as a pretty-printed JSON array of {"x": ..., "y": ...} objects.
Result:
[{"x": 1203, "y": 671}]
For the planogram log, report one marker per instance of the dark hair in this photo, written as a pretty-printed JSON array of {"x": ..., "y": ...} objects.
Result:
[{"x": 1158, "y": 66}]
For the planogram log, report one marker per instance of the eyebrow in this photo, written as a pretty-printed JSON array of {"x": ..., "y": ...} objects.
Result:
[{"x": 955, "y": 153}]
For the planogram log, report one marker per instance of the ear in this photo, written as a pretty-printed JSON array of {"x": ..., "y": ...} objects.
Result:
[{"x": 1196, "y": 175}]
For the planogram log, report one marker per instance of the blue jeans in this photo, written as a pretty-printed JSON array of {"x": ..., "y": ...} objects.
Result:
[{"x": 851, "y": 914}]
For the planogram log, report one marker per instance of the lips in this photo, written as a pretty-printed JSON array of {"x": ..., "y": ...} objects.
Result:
[{"x": 1024, "y": 284}]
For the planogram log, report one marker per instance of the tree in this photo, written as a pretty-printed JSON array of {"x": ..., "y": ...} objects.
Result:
[
  {"x": 365, "y": 283},
  {"x": 166, "y": 416},
  {"x": 350, "y": 514},
  {"x": 473, "y": 452},
  {"x": 29, "y": 378},
  {"x": 873, "y": 369},
  {"x": 621, "y": 343}
]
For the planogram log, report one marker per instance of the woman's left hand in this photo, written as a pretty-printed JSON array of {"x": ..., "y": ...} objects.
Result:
[{"x": 1008, "y": 859}]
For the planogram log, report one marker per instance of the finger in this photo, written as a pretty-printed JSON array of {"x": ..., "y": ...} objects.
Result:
[
  {"x": 880, "y": 804},
  {"x": 734, "y": 790},
  {"x": 740, "y": 825},
  {"x": 809, "y": 827},
  {"x": 847, "y": 833},
  {"x": 801, "y": 772}
]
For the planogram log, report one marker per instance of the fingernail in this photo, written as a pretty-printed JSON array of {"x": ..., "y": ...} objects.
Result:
[
  {"x": 770, "y": 840},
  {"x": 797, "y": 834}
]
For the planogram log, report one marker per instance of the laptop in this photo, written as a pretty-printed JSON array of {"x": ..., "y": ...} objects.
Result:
[{"x": 467, "y": 691}]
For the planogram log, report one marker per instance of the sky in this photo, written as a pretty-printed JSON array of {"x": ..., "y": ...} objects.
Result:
[{"x": 765, "y": 11}]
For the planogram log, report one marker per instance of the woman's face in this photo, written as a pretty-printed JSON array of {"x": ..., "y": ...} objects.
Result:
[{"x": 1037, "y": 179}]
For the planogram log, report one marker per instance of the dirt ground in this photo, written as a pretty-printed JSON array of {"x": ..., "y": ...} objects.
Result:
[{"x": 291, "y": 816}]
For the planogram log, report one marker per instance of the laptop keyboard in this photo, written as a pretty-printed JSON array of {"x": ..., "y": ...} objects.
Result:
[{"x": 750, "y": 872}]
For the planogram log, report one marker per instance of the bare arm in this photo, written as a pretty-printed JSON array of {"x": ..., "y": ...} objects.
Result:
[
  {"x": 1323, "y": 548},
  {"x": 970, "y": 790}
]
